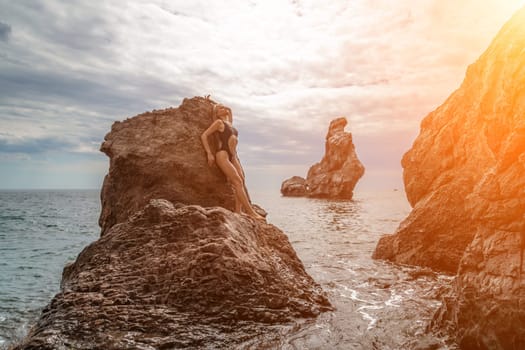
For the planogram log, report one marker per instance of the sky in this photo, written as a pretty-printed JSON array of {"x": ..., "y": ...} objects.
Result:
[{"x": 69, "y": 69}]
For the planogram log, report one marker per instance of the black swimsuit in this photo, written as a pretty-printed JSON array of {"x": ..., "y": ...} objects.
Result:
[{"x": 224, "y": 137}]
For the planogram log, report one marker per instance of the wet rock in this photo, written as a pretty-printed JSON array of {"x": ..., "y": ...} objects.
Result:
[
  {"x": 294, "y": 187},
  {"x": 159, "y": 154},
  {"x": 167, "y": 276},
  {"x": 464, "y": 177},
  {"x": 336, "y": 175}
]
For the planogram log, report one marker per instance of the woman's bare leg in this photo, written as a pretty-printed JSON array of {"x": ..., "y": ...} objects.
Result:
[
  {"x": 232, "y": 144},
  {"x": 231, "y": 173},
  {"x": 238, "y": 206},
  {"x": 238, "y": 167}
]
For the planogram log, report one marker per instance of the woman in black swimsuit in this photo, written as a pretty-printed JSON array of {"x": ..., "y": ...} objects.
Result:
[{"x": 226, "y": 156}]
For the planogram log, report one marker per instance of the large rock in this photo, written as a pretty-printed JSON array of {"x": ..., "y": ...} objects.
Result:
[
  {"x": 177, "y": 276},
  {"x": 159, "y": 154},
  {"x": 166, "y": 272},
  {"x": 336, "y": 175},
  {"x": 465, "y": 178},
  {"x": 458, "y": 147}
]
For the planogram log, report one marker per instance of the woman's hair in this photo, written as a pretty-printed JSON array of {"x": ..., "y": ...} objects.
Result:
[
  {"x": 214, "y": 112},
  {"x": 230, "y": 115},
  {"x": 216, "y": 108}
]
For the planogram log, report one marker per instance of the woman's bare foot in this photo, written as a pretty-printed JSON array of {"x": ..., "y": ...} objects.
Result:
[{"x": 256, "y": 215}]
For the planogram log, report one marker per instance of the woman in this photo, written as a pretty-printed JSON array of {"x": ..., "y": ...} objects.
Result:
[{"x": 226, "y": 156}]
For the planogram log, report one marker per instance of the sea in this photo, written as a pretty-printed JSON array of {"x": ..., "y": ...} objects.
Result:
[{"x": 378, "y": 305}]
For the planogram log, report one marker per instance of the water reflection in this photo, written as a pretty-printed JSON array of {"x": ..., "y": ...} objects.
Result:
[{"x": 337, "y": 215}]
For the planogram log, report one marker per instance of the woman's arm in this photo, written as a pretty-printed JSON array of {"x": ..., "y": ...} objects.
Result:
[{"x": 215, "y": 126}]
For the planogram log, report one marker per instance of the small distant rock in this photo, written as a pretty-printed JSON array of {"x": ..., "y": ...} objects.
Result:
[
  {"x": 294, "y": 187},
  {"x": 336, "y": 175}
]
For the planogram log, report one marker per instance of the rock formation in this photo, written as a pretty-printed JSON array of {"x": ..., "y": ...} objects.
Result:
[
  {"x": 159, "y": 155},
  {"x": 166, "y": 275},
  {"x": 294, "y": 187},
  {"x": 173, "y": 274},
  {"x": 465, "y": 178},
  {"x": 337, "y": 173}
]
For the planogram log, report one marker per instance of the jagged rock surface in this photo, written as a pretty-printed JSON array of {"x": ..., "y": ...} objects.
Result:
[
  {"x": 465, "y": 178},
  {"x": 336, "y": 175},
  {"x": 168, "y": 273},
  {"x": 159, "y": 154},
  {"x": 172, "y": 276},
  {"x": 294, "y": 187}
]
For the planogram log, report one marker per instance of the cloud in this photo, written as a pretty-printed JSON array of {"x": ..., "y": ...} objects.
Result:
[
  {"x": 13, "y": 157},
  {"x": 33, "y": 146},
  {"x": 267, "y": 142},
  {"x": 5, "y": 31},
  {"x": 94, "y": 91}
]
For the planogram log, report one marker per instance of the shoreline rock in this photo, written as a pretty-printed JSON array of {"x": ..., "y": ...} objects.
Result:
[
  {"x": 464, "y": 177},
  {"x": 338, "y": 172},
  {"x": 142, "y": 282}
]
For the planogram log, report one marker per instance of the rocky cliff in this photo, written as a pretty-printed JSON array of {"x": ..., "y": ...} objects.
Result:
[
  {"x": 173, "y": 274},
  {"x": 336, "y": 175},
  {"x": 465, "y": 178}
]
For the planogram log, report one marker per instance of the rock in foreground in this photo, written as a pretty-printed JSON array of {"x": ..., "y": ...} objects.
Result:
[
  {"x": 161, "y": 278},
  {"x": 336, "y": 175},
  {"x": 465, "y": 178}
]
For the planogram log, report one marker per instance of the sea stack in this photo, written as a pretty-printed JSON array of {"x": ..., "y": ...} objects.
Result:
[
  {"x": 336, "y": 175},
  {"x": 465, "y": 179},
  {"x": 181, "y": 271}
]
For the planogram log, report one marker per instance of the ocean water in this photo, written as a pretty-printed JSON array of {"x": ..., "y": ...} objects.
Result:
[
  {"x": 378, "y": 305},
  {"x": 40, "y": 231}
]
